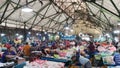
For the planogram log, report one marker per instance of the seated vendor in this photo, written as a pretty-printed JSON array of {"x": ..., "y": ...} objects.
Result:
[
  {"x": 8, "y": 54},
  {"x": 81, "y": 60}
]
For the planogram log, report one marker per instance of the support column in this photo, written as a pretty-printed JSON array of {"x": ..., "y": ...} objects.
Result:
[{"x": 25, "y": 32}]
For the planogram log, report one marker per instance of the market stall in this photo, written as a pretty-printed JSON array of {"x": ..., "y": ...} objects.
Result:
[
  {"x": 105, "y": 55},
  {"x": 43, "y": 64}
]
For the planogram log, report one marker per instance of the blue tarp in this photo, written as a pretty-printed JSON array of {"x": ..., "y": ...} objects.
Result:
[
  {"x": 54, "y": 59},
  {"x": 68, "y": 37}
]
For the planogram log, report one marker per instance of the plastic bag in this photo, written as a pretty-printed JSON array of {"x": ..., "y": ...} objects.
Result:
[{"x": 108, "y": 60}]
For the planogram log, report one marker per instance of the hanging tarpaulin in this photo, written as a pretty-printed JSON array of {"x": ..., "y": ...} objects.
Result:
[
  {"x": 43, "y": 38},
  {"x": 28, "y": 35},
  {"x": 46, "y": 37},
  {"x": 110, "y": 40},
  {"x": 102, "y": 39},
  {"x": 60, "y": 33},
  {"x": 57, "y": 37},
  {"x": 96, "y": 39},
  {"x": 17, "y": 41},
  {"x": 28, "y": 38},
  {"x": 86, "y": 37},
  {"x": 68, "y": 37},
  {"x": 51, "y": 37},
  {"x": 39, "y": 37},
  {"x": 4, "y": 40}
]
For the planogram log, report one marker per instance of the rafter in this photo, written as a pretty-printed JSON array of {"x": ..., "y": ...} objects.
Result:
[
  {"x": 2, "y": 17},
  {"x": 99, "y": 6},
  {"x": 115, "y": 7},
  {"x": 61, "y": 9}
]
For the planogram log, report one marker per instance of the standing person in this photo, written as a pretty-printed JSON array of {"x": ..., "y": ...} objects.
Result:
[
  {"x": 91, "y": 49},
  {"x": 118, "y": 45},
  {"x": 26, "y": 49},
  {"x": 117, "y": 59}
]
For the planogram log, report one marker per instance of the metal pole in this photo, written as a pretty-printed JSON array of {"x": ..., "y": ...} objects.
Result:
[{"x": 25, "y": 33}]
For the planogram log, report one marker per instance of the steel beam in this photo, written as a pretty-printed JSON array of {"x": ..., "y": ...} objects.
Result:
[
  {"x": 25, "y": 32},
  {"x": 2, "y": 17},
  {"x": 33, "y": 22},
  {"x": 10, "y": 13},
  {"x": 52, "y": 19},
  {"x": 115, "y": 7},
  {"x": 50, "y": 22},
  {"x": 69, "y": 24},
  {"x": 46, "y": 11},
  {"x": 100, "y": 19},
  {"x": 106, "y": 18},
  {"x": 61, "y": 9},
  {"x": 106, "y": 9},
  {"x": 93, "y": 15},
  {"x": 3, "y": 4},
  {"x": 37, "y": 14},
  {"x": 16, "y": 8}
]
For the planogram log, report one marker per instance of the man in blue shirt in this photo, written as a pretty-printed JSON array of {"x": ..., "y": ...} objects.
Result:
[
  {"x": 117, "y": 59},
  {"x": 7, "y": 54},
  {"x": 80, "y": 59}
]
